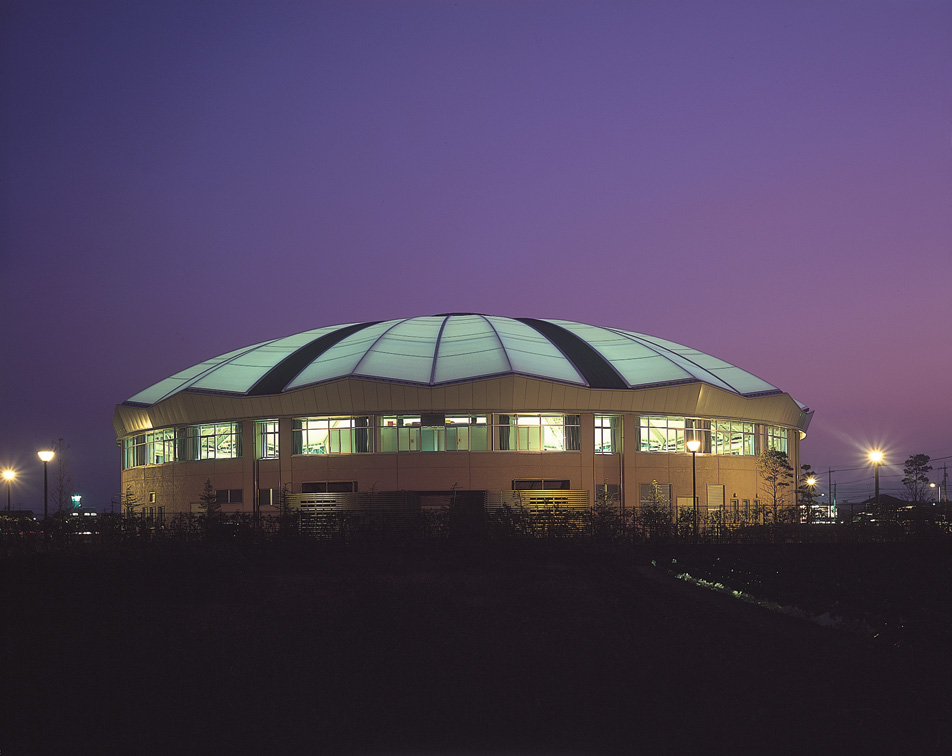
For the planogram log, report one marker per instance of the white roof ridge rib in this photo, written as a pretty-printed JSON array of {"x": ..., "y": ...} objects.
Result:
[
  {"x": 436, "y": 350},
  {"x": 502, "y": 346}
]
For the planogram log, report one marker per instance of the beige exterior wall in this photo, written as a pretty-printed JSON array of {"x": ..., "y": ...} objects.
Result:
[{"x": 178, "y": 485}]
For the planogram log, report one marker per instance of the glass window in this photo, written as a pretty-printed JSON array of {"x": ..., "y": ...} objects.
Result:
[
  {"x": 330, "y": 486},
  {"x": 732, "y": 437},
  {"x": 538, "y": 432},
  {"x": 607, "y": 434},
  {"x": 434, "y": 432},
  {"x": 217, "y": 440},
  {"x": 661, "y": 434},
  {"x": 331, "y": 435},
  {"x": 534, "y": 484},
  {"x": 266, "y": 432},
  {"x": 777, "y": 438},
  {"x": 151, "y": 448}
]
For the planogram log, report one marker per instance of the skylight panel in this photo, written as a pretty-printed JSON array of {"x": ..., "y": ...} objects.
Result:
[
  {"x": 531, "y": 353},
  {"x": 637, "y": 363},
  {"x": 404, "y": 352},
  {"x": 184, "y": 378},
  {"x": 341, "y": 359},
  {"x": 469, "y": 348},
  {"x": 243, "y": 371}
]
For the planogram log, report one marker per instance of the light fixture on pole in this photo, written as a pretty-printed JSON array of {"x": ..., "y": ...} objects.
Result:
[
  {"x": 811, "y": 481},
  {"x": 693, "y": 446},
  {"x": 46, "y": 456},
  {"x": 876, "y": 457},
  {"x": 936, "y": 486},
  {"x": 9, "y": 475}
]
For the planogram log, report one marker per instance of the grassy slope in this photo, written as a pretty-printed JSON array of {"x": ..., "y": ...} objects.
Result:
[{"x": 567, "y": 650}]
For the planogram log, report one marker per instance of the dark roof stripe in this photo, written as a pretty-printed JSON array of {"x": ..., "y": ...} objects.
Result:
[
  {"x": 278, "y": 377},
  {"x": 595, "y": 369}
]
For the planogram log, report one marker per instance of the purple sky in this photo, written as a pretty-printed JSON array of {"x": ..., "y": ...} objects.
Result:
[{"x": 766, "y": 181}]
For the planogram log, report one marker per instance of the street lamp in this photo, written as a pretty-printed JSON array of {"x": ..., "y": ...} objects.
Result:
[
  {"x": 46, "y": 456},
  {"x": 9, "y": 475},
  {"x": 811, "y": 481},
  {"x": 876, "y": 457},
  {"x": 693, "y": 445},
  {"x": 936, "y": 486}
]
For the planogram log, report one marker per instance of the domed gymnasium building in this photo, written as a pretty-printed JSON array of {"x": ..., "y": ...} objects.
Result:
[{"x": 455, "y": 408}]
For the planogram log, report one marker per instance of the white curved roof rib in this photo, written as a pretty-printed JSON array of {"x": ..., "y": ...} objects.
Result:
[{"x": 442, "y": 349}]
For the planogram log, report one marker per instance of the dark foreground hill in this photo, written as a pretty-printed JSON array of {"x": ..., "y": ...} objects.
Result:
[{"x": 522, "y": 649}]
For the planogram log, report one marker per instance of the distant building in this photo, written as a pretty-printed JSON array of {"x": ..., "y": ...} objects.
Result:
[{"x": 461, "y": 406}]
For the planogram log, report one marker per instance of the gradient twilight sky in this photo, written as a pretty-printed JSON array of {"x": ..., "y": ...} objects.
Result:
[{"x": 769, "y": 182}]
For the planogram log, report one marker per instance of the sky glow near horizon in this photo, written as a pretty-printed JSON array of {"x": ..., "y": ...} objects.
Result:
[{"x": 768, "y": 183}]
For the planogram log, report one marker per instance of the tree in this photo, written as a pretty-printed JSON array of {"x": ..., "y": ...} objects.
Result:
[
  {"x": 915, "y": 477},
  {"x": 776, "y": 476},
  {"x": 61, "y": 486},
  {"x": 209, "y": 501},
  {"x": 806, "y": 495},
  {"x": 656, "y": 511},
  {"x": 128, "y": 502}
]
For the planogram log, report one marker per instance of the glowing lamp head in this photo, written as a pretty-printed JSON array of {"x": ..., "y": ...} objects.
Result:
[
  {"x": 876, "y": 457},
  {"x": 9, "y": 474},
  {"x": 931, "y": 485},
  {"x": 46, "y": 456},
  {"x": 811, "y": 481},
  {"x": 693, "y": 445}
]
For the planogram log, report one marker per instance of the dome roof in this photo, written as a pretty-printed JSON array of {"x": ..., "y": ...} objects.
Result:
[{"x": 456, "y": 347}]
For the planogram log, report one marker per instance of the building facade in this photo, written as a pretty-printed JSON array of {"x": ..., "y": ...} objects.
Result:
[{"x": 458, "y": 406}]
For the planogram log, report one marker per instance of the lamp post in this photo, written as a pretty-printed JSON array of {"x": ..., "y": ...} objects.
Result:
[
  {"x": 693, "y": 445},
  {"x": 876, "y": 457},
  {"x": 811, "y": 481},
  {"x": 936, "y": 486},
  {"x": 9, "y": 475},
  {"x": 46, "y": 456}
]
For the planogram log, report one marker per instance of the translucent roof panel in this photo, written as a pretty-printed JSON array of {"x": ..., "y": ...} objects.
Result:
[
  {"x": 240, "y": 374},
  {"x": 532, "y": 353},
  {"x": 469, "y": 347},
  {"x": 456, "y": 347},
  {"x": 185, "y": 378},
  {"x": 635, "y": 362},
  {"x": 341, "y": 359},
  {"x": 709, "y": 368},
  {"x": 404, "y": 352}
]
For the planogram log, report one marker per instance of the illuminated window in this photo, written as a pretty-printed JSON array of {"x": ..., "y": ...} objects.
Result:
[
  {"x": 434, "y": 432},
  {"x": 732, "y": 437},
  {"x": 538, "y": 432},
  {"x": 214, "y": 441},
  {"x": 266, "y": 432},
  {"x": 331, "y": 435},
  {"x": 151, "y": 448},
  {"x": 607, "y": 434},
  {"x": 776, "y": 438},
  {"x": 661, "y": 433}
]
